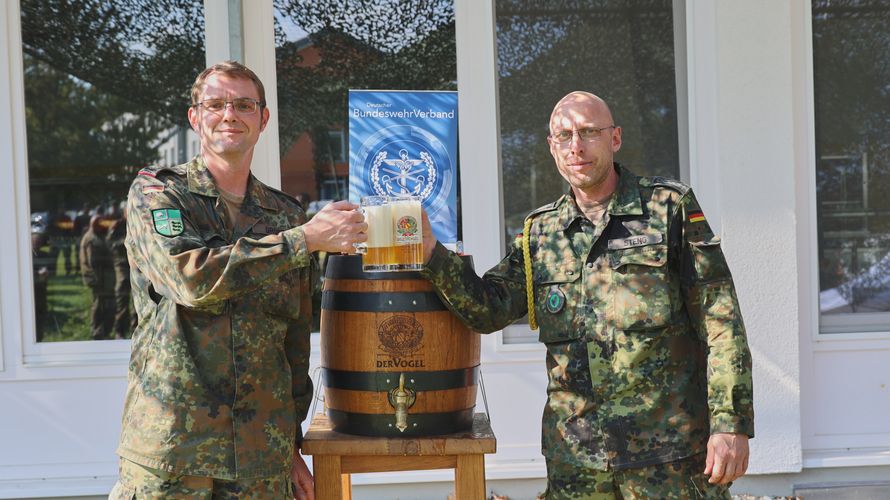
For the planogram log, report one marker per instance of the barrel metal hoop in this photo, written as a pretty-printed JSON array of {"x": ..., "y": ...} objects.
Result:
[
  {"x": 381, "y": 301},
  {"x": 440, "y": 380},
  {"x": 349, "y": 267},
  {"x": 383, "y": 424}
]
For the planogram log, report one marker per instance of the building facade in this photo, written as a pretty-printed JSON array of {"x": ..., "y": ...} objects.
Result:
[{"x": 772, "y": 110}]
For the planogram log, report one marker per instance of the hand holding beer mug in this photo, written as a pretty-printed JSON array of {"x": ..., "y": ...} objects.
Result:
[{"x": 395, "y": 234}]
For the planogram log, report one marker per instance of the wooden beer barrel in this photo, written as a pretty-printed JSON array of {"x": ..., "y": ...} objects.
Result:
[{"x": 380, "y": 327}]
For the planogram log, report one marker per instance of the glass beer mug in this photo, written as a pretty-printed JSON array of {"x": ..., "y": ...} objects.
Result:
[
  {"x": 407, "y": 233},
  {"x": 395, "y": 234},
  {"x": 378, "y": 252}
]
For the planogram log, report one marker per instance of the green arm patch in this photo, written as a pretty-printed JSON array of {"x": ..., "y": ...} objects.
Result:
[{"x": 167, "y": 221}]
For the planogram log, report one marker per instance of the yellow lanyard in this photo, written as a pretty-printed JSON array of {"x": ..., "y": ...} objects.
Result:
[{"x": 529, "y": 286}]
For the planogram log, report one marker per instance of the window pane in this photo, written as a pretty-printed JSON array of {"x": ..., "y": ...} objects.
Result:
[
  {"x": 851, "y": 63},
  {"x": 620, "y": 50},
  {"x": 325, "y": 48},
  {"x": 106, "y": 93}
]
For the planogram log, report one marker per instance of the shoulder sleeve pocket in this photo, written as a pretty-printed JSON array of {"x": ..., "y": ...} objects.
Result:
[{"x": 708, "y": 260}]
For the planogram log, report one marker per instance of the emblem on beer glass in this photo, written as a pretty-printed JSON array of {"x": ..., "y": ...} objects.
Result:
[
  {"x": 407, "y": 232},
  {"x": 378, "y": 252}
]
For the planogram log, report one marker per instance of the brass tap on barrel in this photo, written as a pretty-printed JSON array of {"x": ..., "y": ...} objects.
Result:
[{"x": 401, "y": 398}]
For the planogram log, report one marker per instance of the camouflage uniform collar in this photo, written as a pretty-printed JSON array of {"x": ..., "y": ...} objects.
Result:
[
  {"x": 201, "y": 182},
  {"x": 625, "y": 200},
  {"x": 568, "y": 210},
  {"x": 200, "y": 179}
]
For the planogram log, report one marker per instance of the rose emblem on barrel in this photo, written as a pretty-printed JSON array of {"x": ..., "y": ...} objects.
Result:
[{"x": 400, "y": 335}]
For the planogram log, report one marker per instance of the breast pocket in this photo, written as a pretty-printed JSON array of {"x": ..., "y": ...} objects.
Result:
[
  {"x": 282, "y": 296},
  {"x": 557, "y": 298},
  {"x": 641, "y": 289}
]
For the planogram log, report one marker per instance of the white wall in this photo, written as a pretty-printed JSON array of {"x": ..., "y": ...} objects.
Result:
[{"x": 746, "y": 175}]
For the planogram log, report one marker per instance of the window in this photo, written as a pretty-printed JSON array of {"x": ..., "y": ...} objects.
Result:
[
  {"x": 325, "y": 48},
  {"x": 851, "y": 64},
  {"x": 620, "y": 50},
  {"x": 106, "y": 91}
]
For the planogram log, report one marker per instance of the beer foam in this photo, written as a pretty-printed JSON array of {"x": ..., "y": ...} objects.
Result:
[{"x": 379, "y": 219}]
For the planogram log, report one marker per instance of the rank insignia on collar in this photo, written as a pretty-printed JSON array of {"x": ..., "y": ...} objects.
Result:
[
  {"x": 167, "y": 221},
  {"x": 556, "y": 299}
]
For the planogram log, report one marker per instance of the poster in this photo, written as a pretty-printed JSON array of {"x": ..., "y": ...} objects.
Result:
[{"x": 405, "y": 142}]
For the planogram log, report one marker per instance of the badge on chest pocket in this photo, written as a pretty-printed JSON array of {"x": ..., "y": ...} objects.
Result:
[{"x": 556, "y": 299}]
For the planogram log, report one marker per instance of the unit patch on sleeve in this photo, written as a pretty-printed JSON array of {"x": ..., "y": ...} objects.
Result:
[{"x": 167, "y": 221}]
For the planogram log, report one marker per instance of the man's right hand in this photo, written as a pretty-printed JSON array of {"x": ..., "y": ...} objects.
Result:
[
  {"x": 429, "y": 239},
  {"x": 336, "y": 228}
]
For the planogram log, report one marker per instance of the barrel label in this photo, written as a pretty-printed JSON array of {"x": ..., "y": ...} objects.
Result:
[
  {"x": 400, "y": 362},
  {"x": 400, "y": 335}
]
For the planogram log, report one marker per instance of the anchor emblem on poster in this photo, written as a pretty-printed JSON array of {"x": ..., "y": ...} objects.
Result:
[{"x": 403, "y": 175}]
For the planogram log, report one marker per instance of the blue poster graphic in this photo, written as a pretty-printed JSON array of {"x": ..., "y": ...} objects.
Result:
[{"x": 405, "y": 142}]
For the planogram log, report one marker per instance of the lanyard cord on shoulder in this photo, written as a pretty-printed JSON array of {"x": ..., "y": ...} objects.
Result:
[{"x": 529, "y": 286}]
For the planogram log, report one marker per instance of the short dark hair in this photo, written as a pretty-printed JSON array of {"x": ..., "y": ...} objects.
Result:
[{"x": 232, "y": 69}]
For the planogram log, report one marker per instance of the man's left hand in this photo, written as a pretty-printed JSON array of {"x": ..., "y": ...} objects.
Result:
[
  {"x": 727, "y": 458},
  {"x": 302, "y": 479}
]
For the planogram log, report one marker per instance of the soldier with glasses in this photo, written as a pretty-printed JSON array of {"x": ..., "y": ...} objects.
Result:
[
  {"x": 650, "y": 391},
  {"x": 222, "y": 271}
]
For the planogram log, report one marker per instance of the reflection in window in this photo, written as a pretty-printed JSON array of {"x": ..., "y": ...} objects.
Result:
[
  {"x": 323, "y": 49},
  {"x": 620, "y": 50},
  {"x": 106, "y": 92},
  {"x": 851, "y": 62}
]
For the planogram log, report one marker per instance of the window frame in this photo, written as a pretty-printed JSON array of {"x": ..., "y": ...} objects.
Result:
[
  {"x": 830, "y": 328},
  {"x": 17, "y": 329}
]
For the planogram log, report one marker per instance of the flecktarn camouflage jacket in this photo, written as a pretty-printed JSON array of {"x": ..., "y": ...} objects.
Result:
[
  {"x": 646, "y": 349},
  {"x": 218, "y": 381}
]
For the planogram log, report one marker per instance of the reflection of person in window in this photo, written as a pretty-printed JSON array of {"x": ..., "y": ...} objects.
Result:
[
  {"x": 222, "y": 274},
  {"x": 97, "y": 273},
  {"x": 40, "y": 260},
  {"x": 123, "y": 323}
]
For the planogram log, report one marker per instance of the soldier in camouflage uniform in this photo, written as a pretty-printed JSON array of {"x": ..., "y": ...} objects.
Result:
[
  {"x": 97, "y": 273},
  {"x": 124, "y": 324},
  {"x": 650, "y": 389},
  {"x": 221, "y": 272}
]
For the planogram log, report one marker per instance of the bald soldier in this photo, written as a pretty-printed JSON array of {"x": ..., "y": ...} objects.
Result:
[{"x": 649, "y": 392}]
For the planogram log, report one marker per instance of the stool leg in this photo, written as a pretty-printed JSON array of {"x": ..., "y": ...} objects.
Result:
[
  {"x": 328, "y": 482},
  {"x": 346, "y": 481},
  {"x": 469, "y": 477}
]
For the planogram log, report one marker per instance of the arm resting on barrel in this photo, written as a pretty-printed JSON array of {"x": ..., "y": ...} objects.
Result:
[{"x": 484, "y": 304}]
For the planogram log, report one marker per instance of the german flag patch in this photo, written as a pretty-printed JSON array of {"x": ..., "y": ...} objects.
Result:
[
  {"x": 152, "y": 189},
  {"x": 696, "y": 216}
]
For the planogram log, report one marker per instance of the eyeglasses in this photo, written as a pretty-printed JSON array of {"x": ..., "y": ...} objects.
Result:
[
  {"x": 243, "y": 105},
  {"x": 587, "y": 134}
]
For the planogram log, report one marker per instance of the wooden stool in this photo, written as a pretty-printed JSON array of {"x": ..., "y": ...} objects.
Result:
[{"x": 335, "y": 456}]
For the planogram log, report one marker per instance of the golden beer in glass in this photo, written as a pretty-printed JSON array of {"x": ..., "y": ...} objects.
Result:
[
  {"x": 407, "y": 233},
  {"x": 378, "y": 252}
]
